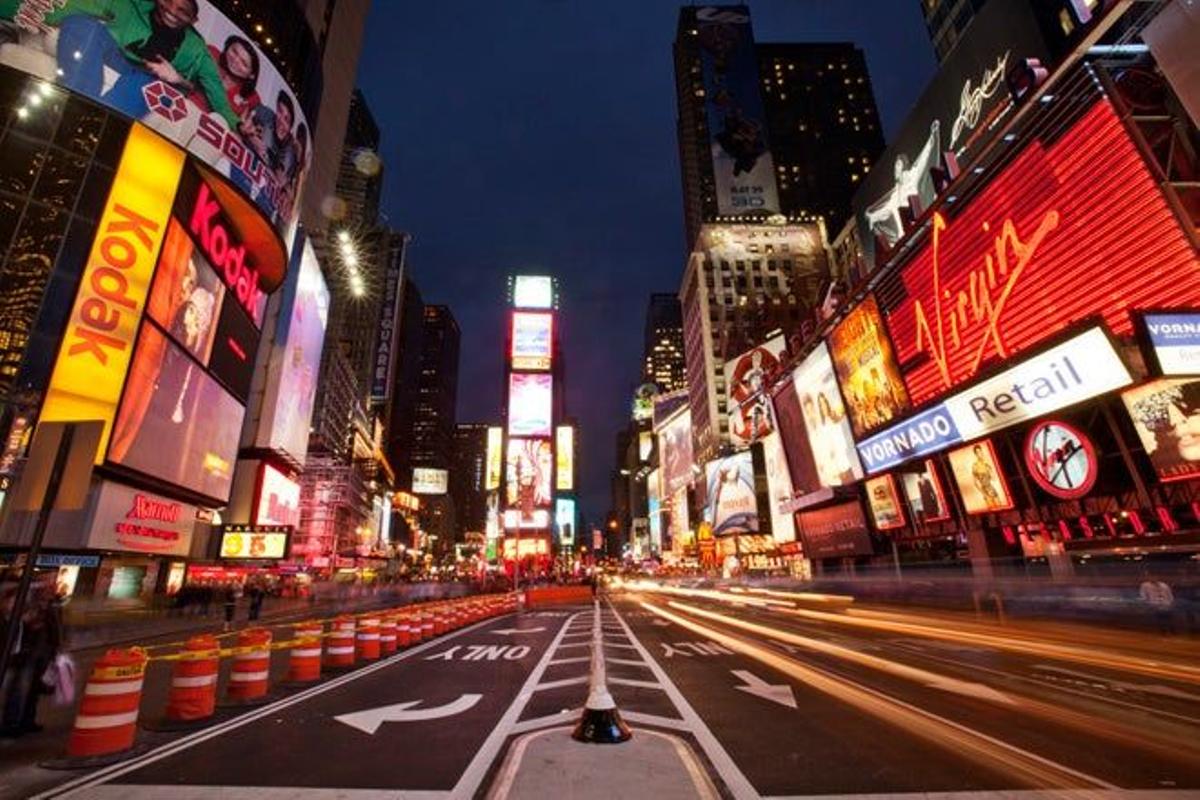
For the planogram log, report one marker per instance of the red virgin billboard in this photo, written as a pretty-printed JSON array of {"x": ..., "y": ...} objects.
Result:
[{"x": 1073, "y": 227}]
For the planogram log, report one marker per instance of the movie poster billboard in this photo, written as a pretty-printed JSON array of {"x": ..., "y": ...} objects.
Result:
[
  {"x": 884, "y": 502},
  {"x": 564, "y": 520},
  {"x": 981, "y": 482},
  {"x": 1166, "y": 416},
  {"x": 732, "y": 505},
  {"x": 779, "y": 488},
  {"x": 825, "y": 420},
  {"x": 532, "y": 340},
  {"x": 530, "y": 404},
  {"x": 866, "y": 369},
  {"x": 923, "y": 490},
  {"x": 675, "y": 452},
  {"x": 529, "y": 466},
  {"x": 195, "y": 78},
  {"x": 743, "y": 169},
  {"x": 746, "y": 379}
]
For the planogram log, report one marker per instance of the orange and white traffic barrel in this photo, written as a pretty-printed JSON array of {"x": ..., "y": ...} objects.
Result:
[
  {"x": 387, "y": 634},
  {"x": 193, "y": 692},
  {"x": 439, "y": 622},
  {"x": 251, "y": 665},
  {"x": 304, "y": 664},
  {"x": 404, "y": 637},
  {"x": 340, "y": 652},
  {"x": 108, "y": 711},
  {"x": 428, "y": 627},
  {"x": 368, "y": 638}
]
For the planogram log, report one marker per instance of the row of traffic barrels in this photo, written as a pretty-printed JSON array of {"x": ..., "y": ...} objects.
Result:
[{"x": 107, "y": 717}]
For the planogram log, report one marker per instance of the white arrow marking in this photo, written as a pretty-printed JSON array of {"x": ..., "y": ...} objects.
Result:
[
  {"x": 776, "y": 693},
  {"x": 967, "y": 689},
  {"x": 1148, "y": 688},
  {"x": 511, "y": 631},
  {"x": 371, "y": 719}
]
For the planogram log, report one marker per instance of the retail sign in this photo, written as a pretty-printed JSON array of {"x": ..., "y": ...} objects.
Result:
[
  {"x": 1175, "y": 340},
  {"x": 835, "y": 531},
  {"x": 1082, "y": 367},
  {"x": 97, "y": 347},
  {"x": 137, "y": 521},
  {"x": 255, "y": 541},
  {"x": 67, "y": 560}
]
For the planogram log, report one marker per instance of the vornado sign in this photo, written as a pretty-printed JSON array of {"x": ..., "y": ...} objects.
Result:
[
  {"x": 1080, "y": 368},
  {"x": 98, "y": 343}
]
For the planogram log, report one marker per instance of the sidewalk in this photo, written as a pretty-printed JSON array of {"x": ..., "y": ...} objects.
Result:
[{"x": 549, "y": 763}]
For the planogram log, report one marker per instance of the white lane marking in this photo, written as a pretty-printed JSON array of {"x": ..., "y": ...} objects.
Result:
[
  {"x": 511, "y": 631},
  {"x": 371, "y": 719},
  {"x": 476, "y": 771},
  {"x": 633, "y": 682},
  {"x": 71, "y": 788},
  {"x": 541, "y": 687},
  {"x": 780, "y": 693},
  {"x": 1147, "y": 688},
  {"x": 642, "y": 718},
  {"x": 737, "y": 783},
  {"x": 619, "y": 646},
  {"x": 575, "y": 644},
  {"x": 629, "y": 662},
  {"x": 572, "y": 660}
]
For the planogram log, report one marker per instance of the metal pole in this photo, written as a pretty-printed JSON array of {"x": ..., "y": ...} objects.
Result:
[{"x": 35, "y": 546}]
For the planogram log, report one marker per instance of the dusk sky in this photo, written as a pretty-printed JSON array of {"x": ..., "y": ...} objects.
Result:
[{"x": 539, "y": 136}]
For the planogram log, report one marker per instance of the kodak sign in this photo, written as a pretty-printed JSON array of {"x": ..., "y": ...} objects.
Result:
[{"x": 97, "y": 346}]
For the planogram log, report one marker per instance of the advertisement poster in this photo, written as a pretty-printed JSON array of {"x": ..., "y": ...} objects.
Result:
[
  {"x": 884, "y": 502},
  {"x": 981, "y": 483},
  {"x": 665, "y": 406},
  {"x": 564, "y": 458},
  {"x": 923, "y": 490},
  {"x": 137, "y": 521},
  {"x": 533, "y": 291},
  {"x": 746, "y": 377},
  {"x": 495, "y": 458},
  {"x": 254, "y": 541},
  {"x": 1175, "y": 340},
  {"x": 741, "y": 157},
  {"x": 866, "y": 369},
  {"x": 825, "y": 419},
  {"x": 779, "y": 488},
  {"x": 530, "y": 404},
  {"x": 1061, "y": 459},
  {"x": 838, "y": 531},
  {"x": 654, "y": 510},
  {"x": 278, "y": 498},
  {"x": 427, "y": 480},
  {"x": 1166, "y": 416},
  {"x": 680, "y": 524},
  {"x": 532, "y": 340},
  {"x": 675, "y": 452},
  {"x": 797, "y": 444},
  {"x": 197, "y": 80},
  {"x": 564, "y": 520},
  {"x": 530, "y": 463},
  {"x": 732, "y": 505}
]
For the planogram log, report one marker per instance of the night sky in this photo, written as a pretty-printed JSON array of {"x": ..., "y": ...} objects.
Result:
[{"x": 539, "y": 136}]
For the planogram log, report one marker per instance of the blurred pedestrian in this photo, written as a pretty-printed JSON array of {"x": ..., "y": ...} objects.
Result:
[
  {"x": 257, "y": 595},
  {"x": 1156, "y": 593},
  {"x": 230, "y": 599},
  {"x": 39, "y": 639}
]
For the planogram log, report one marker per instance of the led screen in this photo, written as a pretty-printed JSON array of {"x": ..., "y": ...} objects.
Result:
[
  {"x": 1166, "y": 416},
  {"x": 866, "y": 369},
  {"x": 533, "y": 291},
  {"x": 654, "y": 509},
  {"x": 495, "y": 458},
  {"x": 254, "y": 541},
  {"x": 175, "y": 422},
  {"x": 527, "y": 477},
  {"x": 564, "y": 458},
  {"x": 427, "y": 480},
  {"x": 530, "y": 404},
  {"x": 564, "y": 520},
  {"x": 278, "y": 498},
  {"x": 732, "y": 506},
  {"x": 825, "y": 420},
  {"x": 532, "y": 340}
]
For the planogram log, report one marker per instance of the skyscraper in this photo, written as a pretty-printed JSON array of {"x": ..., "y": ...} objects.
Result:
[
  {"x": 437, "y": 389},
  {"x": 467, "y": 475},
  {"x": 399, "y": 444},
  {"x": 663, "y": 361}
]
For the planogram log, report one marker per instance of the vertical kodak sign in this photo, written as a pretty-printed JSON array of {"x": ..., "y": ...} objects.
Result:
[{"x": 98, "y": 344}]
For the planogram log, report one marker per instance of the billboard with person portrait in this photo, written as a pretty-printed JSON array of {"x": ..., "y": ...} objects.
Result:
[
  {"x": 923, "y": 490},
  {"x": 732, "y": 504},
  {"x": 980, "y": 480},
  {"x": 746, "y": 377},
  {"x": 825, "y": 419},
  {"x": 530, "y": 404},
  {"x": 866, "y": 369},
  {"x": 529, "y": 465},
  {"x": 1166, "y": 416},
  {"x": 675, "y": 451},
  {"x": 182, "y": 68}
]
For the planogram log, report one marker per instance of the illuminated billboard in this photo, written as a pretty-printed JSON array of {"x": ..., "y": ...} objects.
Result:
[
  {"x": 278, "y": 500},
  {"x": 296, "y": 358},
  {"x": 1166, "y": 416},
  {"x": 779, "y": 488},
  {"x": 252, "y": 542},
  {"x": 1020, "y": 261},
  {"x": 1174, "y": 341},
  {"x": 675, "y": 452},
  {"x": 746, "y": 378},
  {"x": 654, "y": 510},
  {"x": 138, "y": 521},
  {"x": 564, "y": 458},
  {"x": 564, "y": 520},
  {"x": 199, "y": 81},
  {"x": 837, "y": 531},
  {"x": 732, "y": 505},
  {"x": 980, "y": 480},
  {"x": 829, "y": 437},
  {"x": 533, "y": 291},
  {"x": 426, "y": 480},
  {"x": 532, "y": 340},
  {"x": 528, "y": 467},
  {"x": 530, "y": 404},
  {"x": 923, "y": 490},
  {"x": 94, "y": 357},
  {"x": 866, "y": 369},
  {"x": 538, "y": 518},
  {"x": 495, "y": 458},
  {"x": 884, "y": 502}
]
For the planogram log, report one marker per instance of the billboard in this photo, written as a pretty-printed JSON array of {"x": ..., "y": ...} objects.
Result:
[
  {"x": 426, "y": 480},
  {"x": 643, "y": 402},
  {"x": 195, "y": 78},
  {"x": 829, "y": 437},
  {"x": 1061, "y": 459},
  {"x": 1019, "y": 262},
  {"x": 296, "y": 358},
  {"x": 665, "y": 406},
  {"x": 679, "y": 527},
  {"x": 138, "y": 521},
  {"x": 254, "y": 541},
  {"x": 746, "y": 378},
  {"x": 564, "y": 520},
  {"x": 1174, "y": 340},
  {"x": 533, "y": 291},
  {"x": 866, "y": 369},
  {"x": 537, "y": 518},
  {"x": 797, "y": 447},
  {"x": 654, "y": 510},
  {"x": 98, "y": 344},
  {"x": 980, "y": 480},
  {"x": 884, "y": 502},
  {"x": 923, "y": 490},
  {"x": 532, "y": 340},
  {"x": 495, "y": 458},
  {"x": 278, "y": 500},
  {"x": 732, "y": 505},
  {"x": 1166, "y": 416},
  {"x": 383, "y": 372},
  {"x": 564, "y": 458},
  {"x": 528, "y": 467},
  {"x": 675, "y": 452},
  {"x": 743, "y": 170},
  {"x": 779, "y": 488},
  {"x": 838, "y": 531},
  {"x": 530, "y": 404}
]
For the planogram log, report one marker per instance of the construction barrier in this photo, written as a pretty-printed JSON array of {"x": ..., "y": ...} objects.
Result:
[
  {"x": 340, "y": 652},
  {"x": 108, "y": 711},
  {"x": 557, "y": 595},
  {"x": 427, "y": 627},
  {"x": 251, "y": 665},
  {"x": 404, "y": 631},
  {"x": 387, "y": 634},
  {"x": 193, "y": 693},
  {"x": 305, "y": 663},
  {"x": 368, "y": 639}
]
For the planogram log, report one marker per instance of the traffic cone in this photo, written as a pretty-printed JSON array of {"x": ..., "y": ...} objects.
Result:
[{"x": 601, "y": 722}]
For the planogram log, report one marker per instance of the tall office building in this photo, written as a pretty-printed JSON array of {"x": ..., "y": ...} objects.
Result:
[
  {"x": 399, "y": 442},
  {"x": 946, "y": 20},
  {"x": 467, "y": 475},
  {"x": 767, "y": 131},
  {"x": 663, "y": 361},
  {"x": 437, "y": 389}
]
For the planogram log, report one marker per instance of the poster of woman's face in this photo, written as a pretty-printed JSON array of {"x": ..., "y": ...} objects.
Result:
[
  {"x": 187, "y": 294},
  {"x": 1166, "y": 415}
]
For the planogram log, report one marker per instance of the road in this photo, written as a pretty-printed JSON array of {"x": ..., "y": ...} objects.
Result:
[{"x": 775, "y": 696}]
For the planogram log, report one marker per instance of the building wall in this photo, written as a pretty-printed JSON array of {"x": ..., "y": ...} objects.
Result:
[
  {"x": 467, "y": 475},
  {"x": 437, "y": 389}
]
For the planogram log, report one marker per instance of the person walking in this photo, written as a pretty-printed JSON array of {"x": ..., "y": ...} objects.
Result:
[
  {"x": 230, "y": 600},
  {"x": 1156, "y": 593},
  {"x": 39, "y": 639},
  {"x": 257, "y": 595}
]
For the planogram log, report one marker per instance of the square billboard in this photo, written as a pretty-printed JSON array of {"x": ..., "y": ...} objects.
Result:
[
  {"x": 732, "y": 504},
  {"x": 837, "y": 531},
  {"x": 278, "y": 501},
  {"x": 533, "y": 291},
  {"x": 1166, "y": 416},
  {"x": 532, "y": 340},
  {"x": 427, "y": 480},
  {"x": 530, "y": 404},
  {"x": 866, "y": 369}
]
